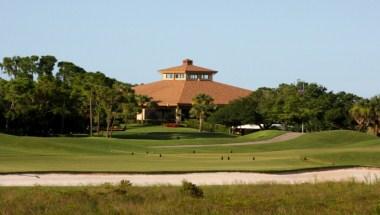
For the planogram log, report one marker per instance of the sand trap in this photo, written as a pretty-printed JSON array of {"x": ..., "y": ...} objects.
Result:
[{"x": 367, "y": 175}]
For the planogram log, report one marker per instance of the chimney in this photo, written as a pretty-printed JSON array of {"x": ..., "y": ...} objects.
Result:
[{"x": 187, "y": 62}]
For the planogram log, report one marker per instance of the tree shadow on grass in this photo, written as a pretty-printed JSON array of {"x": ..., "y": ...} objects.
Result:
[{"x": 171, "y": 135}]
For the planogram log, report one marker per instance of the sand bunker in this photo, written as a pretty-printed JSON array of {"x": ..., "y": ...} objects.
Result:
[{"x": 367, "y": 175}]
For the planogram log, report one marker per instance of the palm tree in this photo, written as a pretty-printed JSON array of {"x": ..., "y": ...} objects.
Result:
[
  {"x": 128, "y": 106},
  {"x": 144, "y": 102},
  {"x": 374, "y": 105},
  {"x": 366, "y": 114},
  {"x": 202, "y": 106},
  {"x": 360, "y": 112}
]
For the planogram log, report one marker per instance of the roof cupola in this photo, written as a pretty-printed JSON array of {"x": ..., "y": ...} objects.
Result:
[{"x": 188, "y": 72}]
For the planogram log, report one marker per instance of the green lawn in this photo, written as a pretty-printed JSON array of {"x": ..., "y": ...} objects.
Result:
[{"x": 131, "y": 151}]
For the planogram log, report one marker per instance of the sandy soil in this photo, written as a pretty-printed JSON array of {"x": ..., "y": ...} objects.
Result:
[
  {"x": 367, "y": 175},
  {"x": 281, "y": 138}
]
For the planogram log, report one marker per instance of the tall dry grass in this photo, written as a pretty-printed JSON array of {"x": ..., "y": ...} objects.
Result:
[{"x": 325, "y": 198}]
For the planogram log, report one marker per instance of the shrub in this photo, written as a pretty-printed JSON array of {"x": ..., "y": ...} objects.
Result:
[
  {"x": 191, "y": 189},
  {"x": 207, "y": 126},
  {"x": 123, "y": 187},
  {"x": 172, "y": 125}
]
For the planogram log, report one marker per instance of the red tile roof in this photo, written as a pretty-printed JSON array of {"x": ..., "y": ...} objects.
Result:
[
  {"x": 173, "y": 92},
  {"x": 187, "y": 66}
]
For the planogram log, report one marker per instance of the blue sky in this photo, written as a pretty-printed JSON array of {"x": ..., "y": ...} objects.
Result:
[{"x": 252, "y": 44}]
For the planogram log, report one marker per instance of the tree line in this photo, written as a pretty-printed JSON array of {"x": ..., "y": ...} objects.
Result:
[
  {"x": 299, "y": 106},
  {"x": 44, "y": 96}
]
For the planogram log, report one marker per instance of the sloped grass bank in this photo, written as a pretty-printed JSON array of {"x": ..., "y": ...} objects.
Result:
[
  {"x": 262, "y": 135},
  {"x": 97, "y": 154}
]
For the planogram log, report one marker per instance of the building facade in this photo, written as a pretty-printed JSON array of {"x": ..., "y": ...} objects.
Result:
[{"x": 178, "y": 86}]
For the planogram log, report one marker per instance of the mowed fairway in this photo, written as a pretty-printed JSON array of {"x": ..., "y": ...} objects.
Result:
[{"x": 134, "y": 151}]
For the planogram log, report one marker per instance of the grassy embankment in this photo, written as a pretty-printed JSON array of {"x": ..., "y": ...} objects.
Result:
[
  {"x": 131, "y": 151},
  {"x": 325, "y": 198}
]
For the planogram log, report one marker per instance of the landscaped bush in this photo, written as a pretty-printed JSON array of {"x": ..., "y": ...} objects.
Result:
[
  {"x": 207, "y": 126},
  {"x": 172, "y": 125}
]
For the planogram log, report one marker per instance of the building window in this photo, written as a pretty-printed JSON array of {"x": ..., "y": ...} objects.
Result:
[
  {"x": 204, "y": 76},
  {"x": 179, "y": 76},
  {"x": 192, "y": 77},
  {"x": 169, "y": 76}
]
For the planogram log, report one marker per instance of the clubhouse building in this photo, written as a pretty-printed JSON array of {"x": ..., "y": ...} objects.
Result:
[{"x": 178, "y": 86}]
